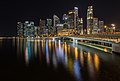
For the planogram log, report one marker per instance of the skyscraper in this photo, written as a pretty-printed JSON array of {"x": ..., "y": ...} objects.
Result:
[
  {"x": 72, "y": 18},
  {"x": 41, "y": 27},
  {"x": 29, "y": 29},
  {"x": 26, "y": 28},
  {"x": 20, "y": 29},
  {"x": 65, "y": 18},
  {"x": 49, "y": 26},
  {"x": 101, "y": 26},
  {"x": 80, "y": 26},
  {"x": 56, "y": 21},
  {"x": 95, "y": 26},
  {"x": 89, "y": 19},
  {"x": 75, "y": 17}
]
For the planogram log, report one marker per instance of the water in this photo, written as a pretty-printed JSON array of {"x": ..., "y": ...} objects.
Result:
[{"x": 48, "y": 60}]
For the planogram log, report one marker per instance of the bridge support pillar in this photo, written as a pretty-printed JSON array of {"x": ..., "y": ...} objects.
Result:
[
  {"x": 76, "y": 41},
  {"x": 116, "y": 48},
  {"x": 53, "y": 39}
]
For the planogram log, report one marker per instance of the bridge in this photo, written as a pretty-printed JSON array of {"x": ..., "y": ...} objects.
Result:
[{"x": 104, "y": 41}]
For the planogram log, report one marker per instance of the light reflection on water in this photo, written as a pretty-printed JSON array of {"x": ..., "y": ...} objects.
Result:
[{"x": 55, "y": 52}]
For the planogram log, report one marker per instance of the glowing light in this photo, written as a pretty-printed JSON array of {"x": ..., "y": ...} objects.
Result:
[
  {"x": 76, "y": 53},
  {"x": 70, "y": 65},
  {"x": 97, "y": 62},
  {"x": 49, "y": 44},
  {"x": 77, "y": 71},
  {"x": 59, "y": 42},
  {"x": 76, "y": 41},
  {"x": 105, "y": 26},
  {"x": 47, "y": 53},
  {"x": 27, "y": 53},
  {"x": 112, "y": 24},
  {"x": 105, "y": 49},
  {"x": 35, "y": 48},
  {"x": 53, "y": 39},
  {"x": 65, "y": 48}
]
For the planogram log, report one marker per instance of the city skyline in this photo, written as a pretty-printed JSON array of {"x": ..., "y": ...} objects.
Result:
[{"x": 19, "y": 11}]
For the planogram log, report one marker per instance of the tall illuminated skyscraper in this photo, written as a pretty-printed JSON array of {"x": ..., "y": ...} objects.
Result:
[
  {"x": 72, "y": 17},
  {"x": 20, "y": 29},
  {"x": 80, "y": 26},
  {"x": 49, "y": 26},
  {"x": 65, "y": 18},
  {"x": 89, "y": 19},
  {"x": 29, "y": 29},
  {"x": 75, "y": 17},
  {"x": 41, "y": 29},
  {"x": 101, "y": 26},
  {"x": 95, "y": 26},
  {"x": 56, "y": 21}
]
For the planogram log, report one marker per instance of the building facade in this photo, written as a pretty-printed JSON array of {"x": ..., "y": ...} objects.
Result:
[
  {"x": 80, "y": 26},
  {"x": 56, "y": 21},
  {"x": 49, "y": 27},
  {"x": 101, "y": 27},
  {"x": 41, "y": 27},
  {"x": 20, "y": 29},
  {"x": 89, "y": 19},
  {"x": 95, "y": 26}
]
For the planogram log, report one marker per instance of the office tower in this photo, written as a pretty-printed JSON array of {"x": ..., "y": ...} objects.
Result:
[
  {"x": 20, "y": 29},
  {"x": 75, "y": 17},
  {"x": 65, "y": 18},
  {"x": 80, "y": 26},
  {"x": 36, "y": 31},
  {"x": 66, "y": 23},
  {"x": 49, "y": 27},
  {"x": 29, "y": 29},
  {"x": 95, "y": 26},
  {"x": 101, "y": 26},
  {"x": 32, "y": 29},
  {"x": 41, "y": 28},
  {"x": 26, "y": 28},
  {"x": 56, "y": 21},
  {"x": 71, "y": 19},
  {"x": 89, "y": 19}
]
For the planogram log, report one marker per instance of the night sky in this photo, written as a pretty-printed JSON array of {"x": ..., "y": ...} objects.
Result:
[{"x": 13, "y": 11}]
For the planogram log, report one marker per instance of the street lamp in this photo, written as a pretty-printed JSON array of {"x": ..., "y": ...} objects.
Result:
[{"x": 105, "y": 27}]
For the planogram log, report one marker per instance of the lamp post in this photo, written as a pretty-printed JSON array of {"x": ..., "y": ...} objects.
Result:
[{"x": 105, "y": 27}]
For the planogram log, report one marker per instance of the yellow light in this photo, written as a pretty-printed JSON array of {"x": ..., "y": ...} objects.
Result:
[
  {"x": 70, "y": 65},
  {"x": 89, "y": 58},
  {"x": 96, "y": 61},
  {"x": 105, "y": 26},
  {"x": 76, "y": 53},
  {"x": 65, "y": 48},
  {"x": 105, "y": 49}
]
